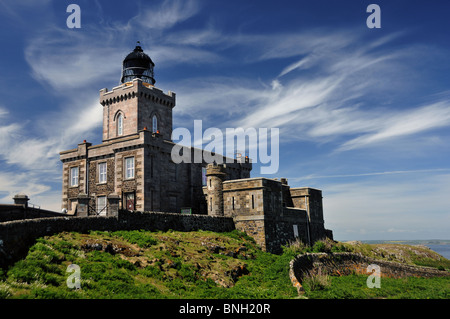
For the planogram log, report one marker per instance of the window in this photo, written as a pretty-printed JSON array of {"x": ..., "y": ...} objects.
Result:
[
  {"x": 129, "y": 167},
  {"x": 204, "y": 176},
  {"x": 295, "y": 231},
  {"x": 74, "y": 176},
  {"x": 253, "y": 201},
  {"x": 154, "y": 124},
  {"x": 102, "y": 172},
  {"x": 101, "y": 205},
  {"x": 120, "y": 124}
]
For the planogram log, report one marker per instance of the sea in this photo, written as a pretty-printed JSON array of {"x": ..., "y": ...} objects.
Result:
[{"x": 441, "y": 249}]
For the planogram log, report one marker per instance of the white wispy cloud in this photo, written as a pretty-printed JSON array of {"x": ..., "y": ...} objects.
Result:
[
  {"x": 206, "y": 36},
  {"x": 69, "y": 60},
  {"x": 39, "y": 148},
  {"x": 167, "y": 14},
  {"x": 30, "y": 157},
  {"x": 409, "y": 122},
  {"x": 301, "y": 64},
  {"x": 314, "y": 176},
  {"x": 33, "y": 185},
  {"x": 325, "y": 103}
]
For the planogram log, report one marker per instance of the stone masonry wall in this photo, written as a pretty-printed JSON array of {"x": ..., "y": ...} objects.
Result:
[
  {"x": 71, "y": 192},
  {"x": 18, "y": 212},
  {"x": 263, "y": 208},
  {"x": 101, "y": 189},
  {"x": 138, "y": 103},
  {"x": 280, "y": 230},
  {"x": 17, "y": 236},
  {"x": 348, "y": 263}
]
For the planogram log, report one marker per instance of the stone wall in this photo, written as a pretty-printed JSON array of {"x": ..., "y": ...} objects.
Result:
[
  {"x": 101, "y": 189},
  {"x": 280, "y": 229},
  {"x": 349, "y": 263},
  {"x": 18, "y": 212},
  {"x": 17, "y": 236},
  {"x": 263, "y": 208}
]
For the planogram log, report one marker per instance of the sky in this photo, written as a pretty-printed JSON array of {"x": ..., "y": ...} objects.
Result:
[{"x": 363, "y": 113}]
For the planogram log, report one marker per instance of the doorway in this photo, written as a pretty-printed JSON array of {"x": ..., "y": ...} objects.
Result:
[{"x": 130, "y": 201}]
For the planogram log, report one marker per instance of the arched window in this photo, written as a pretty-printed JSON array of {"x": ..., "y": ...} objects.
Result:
[
  {"x": 119, "y": 124},
  {"x": 154, "y": 124}
]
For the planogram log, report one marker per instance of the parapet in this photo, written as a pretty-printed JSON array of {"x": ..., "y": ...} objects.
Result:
[
  {"x": 216, "y": 170},
  {"x": 136, "y": 88}
]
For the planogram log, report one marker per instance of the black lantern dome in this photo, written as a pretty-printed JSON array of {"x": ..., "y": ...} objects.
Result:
[{"x": 137, "y": 64}]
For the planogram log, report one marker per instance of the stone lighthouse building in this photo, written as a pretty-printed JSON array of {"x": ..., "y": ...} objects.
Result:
[
  {"x": 134, "y": 160},
  {"x": 132, "y": 168}
]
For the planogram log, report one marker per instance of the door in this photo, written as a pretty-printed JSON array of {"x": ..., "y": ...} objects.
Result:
[{"x": 129, "y": 201}]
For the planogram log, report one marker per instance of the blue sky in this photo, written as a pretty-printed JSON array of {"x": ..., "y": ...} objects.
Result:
[{"x": 364, "y": 114}]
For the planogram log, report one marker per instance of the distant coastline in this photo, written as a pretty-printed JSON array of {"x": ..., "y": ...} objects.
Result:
[{"x": 441, "y": 246}]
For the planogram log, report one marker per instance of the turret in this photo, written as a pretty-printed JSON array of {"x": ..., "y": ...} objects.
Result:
[{"x": 215, "y": 175}]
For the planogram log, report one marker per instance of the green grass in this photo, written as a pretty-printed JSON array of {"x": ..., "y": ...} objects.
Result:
[
  {"x": 148, "y": 265},
  {"x": 141, "y": 264},
  {"x": 355, "y": 287}
]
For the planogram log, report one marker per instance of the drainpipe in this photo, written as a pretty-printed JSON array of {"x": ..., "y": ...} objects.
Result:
[
  {"x": 86, "y": 173},
  {"x": 307, "y": 221},
  {"x": 87, "y": 177}
]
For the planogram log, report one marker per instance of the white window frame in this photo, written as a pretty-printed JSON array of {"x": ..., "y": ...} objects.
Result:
[
  {"x": 129, "y": 167},
  {"x": 120, "y": 125},
  {"x": 102, "y": 169},
  {"x": 101, "y": 205},
  {"x": 74, "y": 178}
]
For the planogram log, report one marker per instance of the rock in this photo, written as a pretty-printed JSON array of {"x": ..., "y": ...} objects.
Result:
[
  {"x": 214, "y": 248},
  {"x": 237, "y": 272}
]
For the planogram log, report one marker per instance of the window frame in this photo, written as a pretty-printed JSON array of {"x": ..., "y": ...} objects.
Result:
[
  {"x": 120, "y": 124},
  {"x": 100, "y": 173},
  {"x": 154, "y": 123},
  {"x": 129, "y": 169},
  {"x": 97, "y": 207},
  {"x": 126, "y": 197},
  {"x": 73, "y": 177}
]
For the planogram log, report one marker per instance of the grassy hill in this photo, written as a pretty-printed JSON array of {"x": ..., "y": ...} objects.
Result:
[{"x": 140, "y": 264}]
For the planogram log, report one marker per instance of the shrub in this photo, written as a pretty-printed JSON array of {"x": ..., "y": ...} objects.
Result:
[
  {"x": 296, "y": 247},
  {"x": 339, "y": 248},
  {"x": 317, "y": 281},
  {"x": 152, "y": 271},
  {"x": 188, "y": 273},
  {"x": 319, "y": 247},
  {"x": 5, "y": 290}
]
